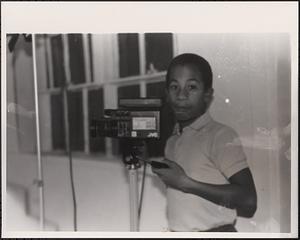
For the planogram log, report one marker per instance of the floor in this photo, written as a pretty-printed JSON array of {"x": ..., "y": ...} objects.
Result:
[{"x": 102, "y": 194}]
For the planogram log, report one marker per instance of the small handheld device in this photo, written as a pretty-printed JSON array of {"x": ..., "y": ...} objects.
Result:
[{"x": 155, "y": 164}]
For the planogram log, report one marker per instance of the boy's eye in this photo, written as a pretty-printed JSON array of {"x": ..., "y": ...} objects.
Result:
[
  {"x": 173, "y": 87},
  {"x": 192, "y": 87}
]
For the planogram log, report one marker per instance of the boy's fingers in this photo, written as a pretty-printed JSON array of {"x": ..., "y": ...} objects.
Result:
[
  {"x": 155, "y": 170},
  {"x": 159, "y": 165},
  {"x": 158, "y": 171},
  {"x": 167, "y": 160}
]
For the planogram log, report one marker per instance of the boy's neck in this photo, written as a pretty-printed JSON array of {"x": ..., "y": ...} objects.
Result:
[{"x": 183, "y": 124}]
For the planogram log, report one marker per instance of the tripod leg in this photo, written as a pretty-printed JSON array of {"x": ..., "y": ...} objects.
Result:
[{"x": 133, "y": 185}]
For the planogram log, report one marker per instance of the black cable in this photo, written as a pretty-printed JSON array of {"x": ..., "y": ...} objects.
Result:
[
  {"x": 73, "y": 191},
  {"x": 142, "y": 190},
  {"x": 69, "y": 151}
]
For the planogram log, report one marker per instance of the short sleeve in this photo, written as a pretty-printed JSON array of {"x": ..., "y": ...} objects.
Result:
[{"x": 228, "y": 153}]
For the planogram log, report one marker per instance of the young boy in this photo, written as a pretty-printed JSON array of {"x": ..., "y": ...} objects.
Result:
[{"x": 208, "y": 180}]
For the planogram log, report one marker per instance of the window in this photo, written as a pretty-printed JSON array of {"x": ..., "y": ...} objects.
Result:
[
  {"x": 57, "y": 120},
  {"x": 76, "y": 120},
  {"x": 159, "y": 51},
  {"x": 156, "y": 48},
  {"x": 59, "y": 77},
  {"x": 129, "y": 64},
  {"x": 69, "y": 53},
  {"x": 96, "y": 105},
  {"x": 90, "y": 47},
  {"x": 131, "y": 91},
  {"x": 76, "y": 56}
]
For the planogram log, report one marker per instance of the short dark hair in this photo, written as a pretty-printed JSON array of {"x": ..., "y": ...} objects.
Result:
[{"x": 192, "y": 59}]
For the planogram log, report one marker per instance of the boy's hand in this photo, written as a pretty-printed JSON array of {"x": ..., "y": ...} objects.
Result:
[{"x": 173, "y": 177}]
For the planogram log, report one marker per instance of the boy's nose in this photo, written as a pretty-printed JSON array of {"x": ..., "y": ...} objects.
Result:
[{"x": 182, "y": 94}]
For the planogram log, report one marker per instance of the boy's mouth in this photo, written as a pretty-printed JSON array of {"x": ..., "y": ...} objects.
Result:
[{"x": 181, "y": 108}]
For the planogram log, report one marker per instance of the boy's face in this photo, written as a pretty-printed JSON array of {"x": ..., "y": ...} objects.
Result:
[{"x": 186, "y": 93}]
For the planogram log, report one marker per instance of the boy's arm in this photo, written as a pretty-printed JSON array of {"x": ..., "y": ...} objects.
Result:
[{"x": 239, "y": 194}]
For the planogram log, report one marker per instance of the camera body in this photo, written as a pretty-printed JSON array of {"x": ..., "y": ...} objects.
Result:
[{"x": 137, "y": 118}]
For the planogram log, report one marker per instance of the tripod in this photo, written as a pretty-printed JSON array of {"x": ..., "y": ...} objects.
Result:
[
  {"x": 133, "y": 149},
  {"x": 132, "y": 163}
]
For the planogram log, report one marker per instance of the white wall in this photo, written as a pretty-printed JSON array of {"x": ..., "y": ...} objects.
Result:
[
  {"x": 12, "y": 133},
  {"x": 20, "y": 94}
]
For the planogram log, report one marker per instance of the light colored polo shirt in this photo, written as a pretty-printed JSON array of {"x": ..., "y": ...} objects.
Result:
[{"x": 209, "y": 152}]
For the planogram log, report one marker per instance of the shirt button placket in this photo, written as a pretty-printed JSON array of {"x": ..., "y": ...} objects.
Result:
[{"x": 178, "y": 147}]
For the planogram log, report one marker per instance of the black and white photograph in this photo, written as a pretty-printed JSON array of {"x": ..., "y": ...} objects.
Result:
[{"x": 172, "y": 130}]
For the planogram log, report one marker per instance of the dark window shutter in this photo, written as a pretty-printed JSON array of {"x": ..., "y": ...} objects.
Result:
[
  {"x": 159, "y": 50},
  {"x": 76, "y": 54},
  {"x": 76, "y": 120},
  {"x": 129, "y": 64},
  {"x": 96, "y": 105},
  {"x": 57, "y": 121},
  {"x": 58, "y": 61}
]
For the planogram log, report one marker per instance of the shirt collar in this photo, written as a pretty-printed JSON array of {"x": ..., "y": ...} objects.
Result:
[{"x": 199, "y": 123}]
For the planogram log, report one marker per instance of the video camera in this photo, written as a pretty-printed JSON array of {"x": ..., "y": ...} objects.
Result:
[
  {"x": 135, "y": 121},
  {"x": 137, "y": 118}
]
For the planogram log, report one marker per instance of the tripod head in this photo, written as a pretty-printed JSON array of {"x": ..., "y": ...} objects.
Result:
[
  {"x": 136, "y": 151},
  {"x": 133, "y": 152}
]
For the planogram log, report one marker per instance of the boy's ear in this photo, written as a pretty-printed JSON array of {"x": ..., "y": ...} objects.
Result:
[{"x": 209, "y": 95}]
